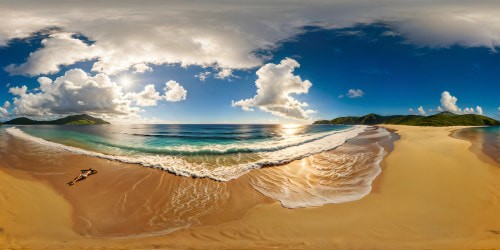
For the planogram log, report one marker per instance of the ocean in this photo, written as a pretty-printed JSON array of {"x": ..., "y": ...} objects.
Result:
[
  {"x": 298, "y": 165},
  {"x": 219, "y": 152}
]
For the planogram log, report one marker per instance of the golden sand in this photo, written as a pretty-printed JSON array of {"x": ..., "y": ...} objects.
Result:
[{"x": 434, "y": 193}]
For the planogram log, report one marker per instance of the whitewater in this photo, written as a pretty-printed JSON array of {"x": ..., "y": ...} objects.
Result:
[{"x": 221, "y": 162}]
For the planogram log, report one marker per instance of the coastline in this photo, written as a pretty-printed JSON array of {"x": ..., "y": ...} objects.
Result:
[
  {"x": 434, "y": 193},
  {"x": 486, "y": 151}
]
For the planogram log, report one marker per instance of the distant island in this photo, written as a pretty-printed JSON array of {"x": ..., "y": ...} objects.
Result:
[
  {"x": 82, "y": 119},
  {"x": 438, "y": 120}
]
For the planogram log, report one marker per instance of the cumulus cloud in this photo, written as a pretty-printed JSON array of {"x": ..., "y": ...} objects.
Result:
[
  {"x": 202, "y": 76},
  {"x": 57, "y": 50},
  {"x": 18, "y": 90},
  {"x": 74, "y": 92},
  {"x": 479, "y": 110},
  {"x": 469, "y": 111},
  {"x": 227, "y": 34},
  {"x": 3, "y": 110},
  {"x": 174, "y": 92},
  {"x": 449, "y": 103},
  {"x": 411, "y": 110},
  {"x": 421, "y": 110},
  {"x": 141, "y": 68},
  {"x": 79, "y": 92},
  {"x": 224, "y": 73},
  {"x": 355, "y": 93},
  {"x": 275, "y": 85},
  {"x": 148, "y": 97}
]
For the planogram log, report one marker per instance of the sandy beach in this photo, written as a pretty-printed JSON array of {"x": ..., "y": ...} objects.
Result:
[{"x": 433, "y": 193}]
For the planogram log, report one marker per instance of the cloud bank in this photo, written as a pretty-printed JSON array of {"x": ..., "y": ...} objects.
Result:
[
  {"x": 78, "y": 92},
  {"x": 57, "y": 50},
  {"x": 133, "y": 35}
]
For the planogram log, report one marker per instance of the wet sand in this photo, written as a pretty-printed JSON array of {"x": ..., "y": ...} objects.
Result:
[
  {"x": 484, "y": 143},
  {"x": 434, "y": 194}
]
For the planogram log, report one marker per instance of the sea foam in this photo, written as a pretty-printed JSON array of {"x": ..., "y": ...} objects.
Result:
[
  {"x": 273, "y": 155},
  {"x": 342, "y": 175}
]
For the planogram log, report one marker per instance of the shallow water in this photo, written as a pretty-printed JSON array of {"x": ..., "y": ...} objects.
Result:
[
  {"x": 220, "y": 152},
  {"x": 486, "y": 139},
  {"x": 127, "y": 200}
]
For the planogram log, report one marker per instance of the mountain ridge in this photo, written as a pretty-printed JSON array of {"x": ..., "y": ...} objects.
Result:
[
  {"x": 82, "y": 119},
  {"x": 438, "y": 120}
]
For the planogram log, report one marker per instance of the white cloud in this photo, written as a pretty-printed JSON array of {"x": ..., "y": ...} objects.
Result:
[
  {"x": 57, "y": 50},
  {"x": 469, "y": 111},
  {"x": 3, "y": 110},
  {"x": 355, "y": 93},
  {"x": 18, "y": 90},
  {"x": 227, "y": 34},
  {"x": 202, "y": 76},
  {"x": 438, "y": 109},
  {"x": 148, "y": 97},
  {"x": 74, "y": 92},
  {"x": 479, "y": 110},
  {"x": 390, "y": 33},
  {"x": 341, "y": 96},
  {"x": 224, "y": 73},
  {"x": 421, "y": 110},
  {"x": 275, "y": 84},
  {"x": 411, "y": 110},
  {"x": 449, "y": 102},
  {"x": 141, "y": 68},
  {"x": 174, "y": 92}
]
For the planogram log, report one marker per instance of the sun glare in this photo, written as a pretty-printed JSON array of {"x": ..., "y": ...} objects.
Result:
[
  {"x": 126, "y": 81},
  {"x": 290, "y": 129}
]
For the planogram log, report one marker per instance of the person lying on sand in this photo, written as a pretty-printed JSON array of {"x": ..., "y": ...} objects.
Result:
[{"x": 83, "y": 175}]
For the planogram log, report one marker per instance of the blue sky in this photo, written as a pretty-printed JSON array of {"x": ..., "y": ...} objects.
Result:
[{"x": 387, "y": 72}]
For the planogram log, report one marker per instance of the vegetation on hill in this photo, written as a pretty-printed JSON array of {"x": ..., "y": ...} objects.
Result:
[
  {"x": 437, "y": 120},
  {"x": 82, "y": 119}
]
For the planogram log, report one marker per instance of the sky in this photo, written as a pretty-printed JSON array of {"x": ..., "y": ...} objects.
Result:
[{"x": 247, "y": 61}]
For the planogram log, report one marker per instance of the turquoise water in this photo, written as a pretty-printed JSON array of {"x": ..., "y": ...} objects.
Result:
[
  {"x": 316, "y": 175},
  {"x": 220, "y": 152},
  {"x": 182, "y": 139}
]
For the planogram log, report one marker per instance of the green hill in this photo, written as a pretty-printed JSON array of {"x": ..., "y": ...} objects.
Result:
[
  {"x": 82, "y": 119},
  {"x": 437, "y": 120}
]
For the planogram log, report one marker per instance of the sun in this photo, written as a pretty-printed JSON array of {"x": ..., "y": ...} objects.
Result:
[{"x": 126, "y": 81}]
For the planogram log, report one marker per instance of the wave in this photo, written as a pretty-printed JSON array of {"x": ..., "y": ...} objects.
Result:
[
  {"x": 225, "y": 136},
  {"x": 221, "y": 149},
  {"x": 274, "y": 154},
  {"x": 338, "y": 176}
]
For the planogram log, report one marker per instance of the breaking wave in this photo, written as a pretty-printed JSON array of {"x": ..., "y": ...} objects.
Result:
[{"x": 238, "y": 162}]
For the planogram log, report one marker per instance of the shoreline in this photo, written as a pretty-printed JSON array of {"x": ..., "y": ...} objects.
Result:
[
  {"x": 477, "y": 146},
  {"x": 442, "y": 205}
]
